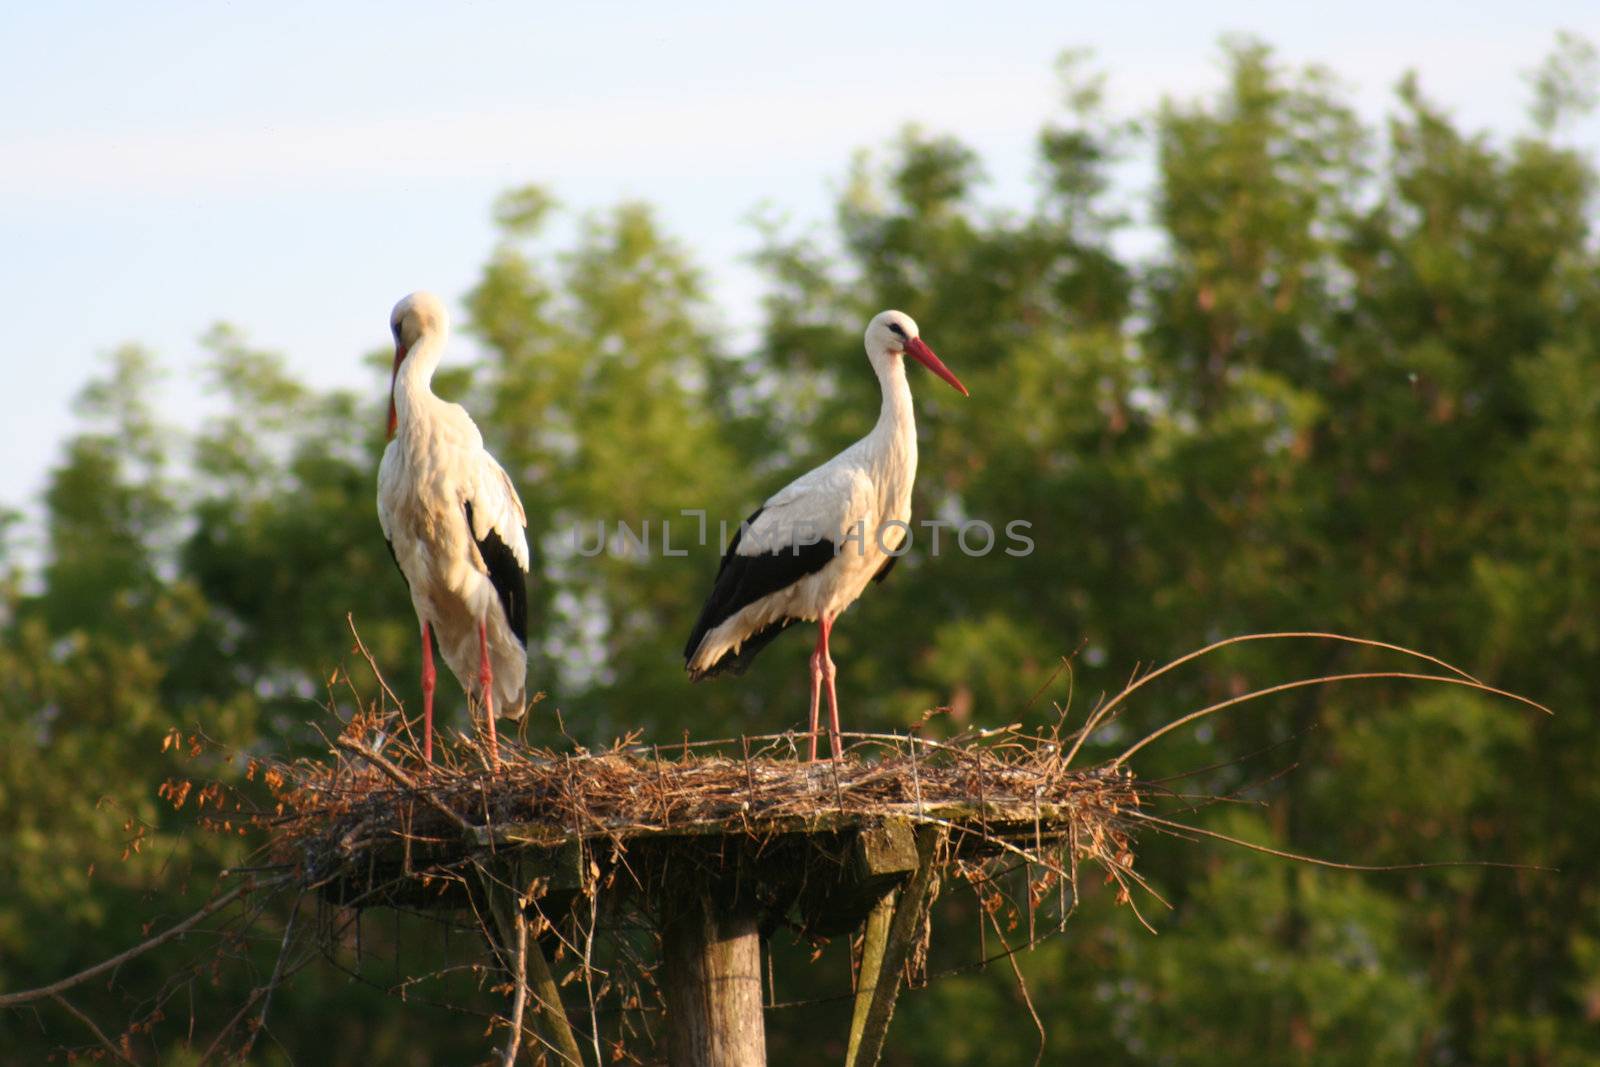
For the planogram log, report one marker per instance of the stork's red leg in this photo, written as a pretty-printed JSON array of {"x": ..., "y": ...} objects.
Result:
[
  {"x": 835, "y": 739},
  {"x": 429, "y": 676},
  {"x": 486, "y": 680},
  {"x": 816, "y": 693}
]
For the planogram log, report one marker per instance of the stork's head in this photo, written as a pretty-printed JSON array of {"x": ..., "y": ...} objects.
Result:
[
  {"x": 892, "y": 335},
  {"x": 417, "y": 316}
]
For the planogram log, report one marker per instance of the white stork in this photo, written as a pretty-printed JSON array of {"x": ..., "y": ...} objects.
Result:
[
  {"x": 811, "y": 549},
  {"x": 455, "y": 528}
]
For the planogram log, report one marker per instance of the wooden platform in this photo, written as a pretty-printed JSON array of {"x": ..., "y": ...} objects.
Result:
[{"x": 716, "y": 854}]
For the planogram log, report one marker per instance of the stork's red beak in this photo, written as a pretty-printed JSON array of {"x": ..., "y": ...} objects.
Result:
[
  {"x": 394, "y": 418},
  {"x": 924, "y": 355}
]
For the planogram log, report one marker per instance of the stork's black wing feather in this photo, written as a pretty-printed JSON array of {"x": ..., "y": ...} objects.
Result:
[
  {"x": 741, "y": 581},
  {"x": 390, "y": 546},
  {"x": 507, "y": 577}
]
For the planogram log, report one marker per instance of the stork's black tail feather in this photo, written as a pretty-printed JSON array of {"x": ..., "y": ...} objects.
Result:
[
  {"x": 743, "y": 580},
  {"x": 738, "y": 662}
]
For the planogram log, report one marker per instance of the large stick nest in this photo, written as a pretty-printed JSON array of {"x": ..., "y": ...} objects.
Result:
[
  {"x": 547, "y": 848},
  {"x": 995, "y": 795}
]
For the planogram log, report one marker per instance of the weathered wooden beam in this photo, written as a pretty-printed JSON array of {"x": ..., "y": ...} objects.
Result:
[
  {"x": 550, "y": 1018},
  {"x": 873, "y": 940},
  {"x": 887, "y": 848},
  {"x": 1012, "y": 817},
  {"x": 835, "y": 899},
  {"x": 500, "y": 881},
  {"x": 711, "y": 980},
  {"x": 866, "y": 1040}
]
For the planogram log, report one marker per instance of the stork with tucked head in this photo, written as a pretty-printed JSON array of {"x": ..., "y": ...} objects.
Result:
[
  {"x": 812, "y": 548},
  {"x": 455, "y": 527}
]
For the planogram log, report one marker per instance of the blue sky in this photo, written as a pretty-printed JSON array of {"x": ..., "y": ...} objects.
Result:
[{"x": 295, "y": 168}]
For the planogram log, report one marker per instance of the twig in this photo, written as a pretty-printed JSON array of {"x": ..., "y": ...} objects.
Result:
[
  {"x": 401, "y": 778},
  {"x": 277, "y": 974},
  {"x": 1061, "y": 664},
  {"x": 749, "y": 776},
  {"x": 9, "y": 1000},
  {"x": 1022, "y": 985},
  {"x": 588, "y": 971},
  {"x": 1180, "y": 829},
  {"x": 916, "y": 777},
  {"x": 350, "y": 620},
  {"x": 259, "y": 991},
  {"x": 1099, "y": 715},
  {"x": 1301, "y": 683},
  {"x": 520, "y": 1001},
  {"x": 93, "y": 1029}
]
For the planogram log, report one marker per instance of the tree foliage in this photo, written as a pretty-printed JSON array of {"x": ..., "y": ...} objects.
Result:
[{"x": 1355, "y": 386}]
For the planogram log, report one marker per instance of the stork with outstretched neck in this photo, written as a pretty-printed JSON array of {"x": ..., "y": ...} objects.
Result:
[
  {"x": 455, "y": 527},
  {"x": 812, "y": 548}
]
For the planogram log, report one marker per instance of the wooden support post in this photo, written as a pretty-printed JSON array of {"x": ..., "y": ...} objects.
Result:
[
  {"x": 711, "y": 980},
  {"x": 871, "y": 972},
  {"x": 526, "y": 964},
  {"x": 876, "y": 993},
  {"x": 550, "y": 1018}
]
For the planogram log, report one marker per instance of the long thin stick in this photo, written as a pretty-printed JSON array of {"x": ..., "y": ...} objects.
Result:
[
  {"x": 1022, "y": 986},
  {"x": 400, "y": 778},
  {"x": 372, "y": 664},
  {"x": 1301, "y": 683},
  {"x": 277, "y": 976},
  {"x": 1179, "y": 829},
  {"x": 8, "y": 1000},
  {"x": 259, "y": 991},
  {"x": 519, "y": 1002},
  {"x": 1132, "y": 687},
  {"x": 93, "y": 1028},
  {"x": 588, "y": 971}
]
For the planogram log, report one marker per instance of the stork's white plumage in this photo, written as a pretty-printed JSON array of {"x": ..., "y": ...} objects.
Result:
[
  {"x": 455, "y": 527},
  {"x": 810, "y": 550}
]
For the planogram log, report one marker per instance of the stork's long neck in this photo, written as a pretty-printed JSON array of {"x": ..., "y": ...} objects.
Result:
[
  {"x": 413, "y": 385},
  {"x": 894, "y": 438}
]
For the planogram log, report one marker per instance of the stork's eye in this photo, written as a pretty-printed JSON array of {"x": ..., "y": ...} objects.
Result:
[{"x": 895, "y": 327}]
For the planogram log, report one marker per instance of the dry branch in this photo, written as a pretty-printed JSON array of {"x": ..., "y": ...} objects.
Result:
[
  {"x": 9, "y": 1000},
  {"x": 94, "y": 1028}
]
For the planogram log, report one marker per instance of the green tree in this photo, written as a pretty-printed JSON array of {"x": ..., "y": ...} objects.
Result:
[{"x": 1353, "y": 387}]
